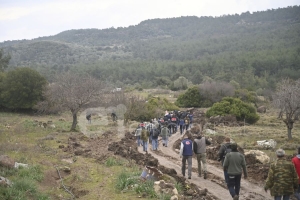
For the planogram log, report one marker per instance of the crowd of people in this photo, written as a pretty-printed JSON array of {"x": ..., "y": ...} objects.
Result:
[{"x": 283, "y": 177}]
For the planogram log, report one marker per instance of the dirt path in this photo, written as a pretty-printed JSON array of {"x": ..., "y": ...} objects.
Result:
[{"x": 169, "y": 158}]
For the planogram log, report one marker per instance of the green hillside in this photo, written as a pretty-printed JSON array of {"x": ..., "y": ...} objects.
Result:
[{"x": 254, "y": 49}]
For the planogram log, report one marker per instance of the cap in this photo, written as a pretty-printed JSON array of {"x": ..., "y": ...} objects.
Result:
[{"x": 280, "y": 152}]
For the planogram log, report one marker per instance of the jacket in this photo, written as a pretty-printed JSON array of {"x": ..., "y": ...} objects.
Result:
[
  {"x": 235, "y": 163},
  {"x": 145, "y": 135},
  {"x": 296, "y": 162},
  {"x": 222, "y": 151},
  {"x": 200, "y": 145},
  {"x": 282, "y": 178},
  {"x": 186, "y": 147}
]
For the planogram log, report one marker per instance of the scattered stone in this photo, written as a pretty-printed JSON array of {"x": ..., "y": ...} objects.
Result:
[
  {"x": 18, "y": 165},
  {"x": 5, "y": 182},
  {"x": 267, "y": 143},
  {"x": 6, "y": 161}
]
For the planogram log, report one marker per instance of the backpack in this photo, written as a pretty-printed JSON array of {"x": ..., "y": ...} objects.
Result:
[
  {"x": 154, "y": 132},
  {"x": 173, "y": 119},
  {"x": 227, "y": 150},
  {"x": 164, "y": 131}
]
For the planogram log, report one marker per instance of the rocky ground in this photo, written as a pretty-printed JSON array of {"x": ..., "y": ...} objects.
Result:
[{"x": 167, "y": 160}]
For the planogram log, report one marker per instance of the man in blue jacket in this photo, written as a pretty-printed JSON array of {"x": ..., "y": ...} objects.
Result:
[{"x": 186, "y": 153}]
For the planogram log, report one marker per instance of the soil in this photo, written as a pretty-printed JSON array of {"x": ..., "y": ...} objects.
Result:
[{"x": 166, "y": 159}]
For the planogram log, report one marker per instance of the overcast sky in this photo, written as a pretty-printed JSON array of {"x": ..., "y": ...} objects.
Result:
[{"x": 28, "y": 19}]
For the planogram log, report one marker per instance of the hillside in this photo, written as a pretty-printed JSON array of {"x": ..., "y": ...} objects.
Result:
[{"x": 262, "y": 46}]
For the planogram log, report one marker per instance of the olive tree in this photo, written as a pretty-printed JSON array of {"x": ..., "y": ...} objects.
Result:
[
  {"x": 73, "y": 92},
  {"x": 287, "y": 99},
  {"x": 21, "y": 88}
]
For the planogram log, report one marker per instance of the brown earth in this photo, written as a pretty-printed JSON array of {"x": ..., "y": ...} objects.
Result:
[{"x": 166, "y": 159}]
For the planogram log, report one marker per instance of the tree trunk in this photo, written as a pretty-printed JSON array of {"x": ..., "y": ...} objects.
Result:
[
  {"x": 289, "y": 124},
  {"x": 73, "y": 127},
  {"x": 290, "y": 134}
]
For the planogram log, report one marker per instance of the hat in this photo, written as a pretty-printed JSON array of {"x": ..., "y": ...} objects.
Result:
[
  {"x": 233, "y": 146},
  {"x": 280, "y": 152}
]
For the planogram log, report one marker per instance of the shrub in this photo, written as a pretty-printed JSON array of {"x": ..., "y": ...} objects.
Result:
[
  {"x": 191, "y": 98},
  {"x": 236, "y": 107}
]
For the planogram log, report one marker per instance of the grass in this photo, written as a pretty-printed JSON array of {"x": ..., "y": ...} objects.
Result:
[{"x": 24, "y": 184}]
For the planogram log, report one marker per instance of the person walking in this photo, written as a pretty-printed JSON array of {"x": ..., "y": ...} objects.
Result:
[
  {"x": 222, "y": 153},
  {"x": 186, "y": 122},
  {"x": 186, "y": 153},
  {"x": 200, "y": 150},
  {"x": 282, "y": 178},
  {"x": 155, "y": 133},
  {"x": 234, "y": 164},
  {"x": 145, "y": 138},
  {"x": 89, "y": 118},
  {"x": 165, "y": 134},
  {"x": 296, "y": 162},
  {"x": 138, "y": 132},
  {"x": 181, "y": 125}
]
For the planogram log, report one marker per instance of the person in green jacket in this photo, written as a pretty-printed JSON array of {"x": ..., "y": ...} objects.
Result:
[
  {"x": 145, "y": 137},
  {"x": 235, "y": 164},
  {"x": 282, "y": 178}
]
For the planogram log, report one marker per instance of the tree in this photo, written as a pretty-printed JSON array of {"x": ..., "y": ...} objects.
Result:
[
  {"x": 236, "y": 107},
  {"x": 287, "y": 99},
  {"x": 22, "y": 88},
  {"x": 73, "y": 92},
  {"x": 4, "y": 60},
  {"x": 191, "y": 98}
]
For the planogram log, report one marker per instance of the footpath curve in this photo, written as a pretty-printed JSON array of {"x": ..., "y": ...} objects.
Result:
[{"x": 171, "y": 159}]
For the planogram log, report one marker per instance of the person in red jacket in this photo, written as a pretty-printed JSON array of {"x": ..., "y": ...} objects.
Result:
[{"x": 296, "y": 161}]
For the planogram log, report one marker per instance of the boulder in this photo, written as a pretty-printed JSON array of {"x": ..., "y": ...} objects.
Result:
[
  {"x": 260, "y": 156},
  {"x": 267, "y": 143},
  {"x": 262, "y": 109},
  {"x": 6, "y": 161}
]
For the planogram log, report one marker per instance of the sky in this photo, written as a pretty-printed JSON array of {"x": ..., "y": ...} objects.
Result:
[{"x": 29, "y": 19}]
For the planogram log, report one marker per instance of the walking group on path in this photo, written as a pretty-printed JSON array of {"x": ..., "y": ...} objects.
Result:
[{"x": 283, "y": 177}]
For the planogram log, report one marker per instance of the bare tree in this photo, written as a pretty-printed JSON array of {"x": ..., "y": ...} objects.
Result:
[
  {"x": 287, "y": 99},
  {"x": 73, "y": 92},
  {"x": 215, "y": 91}
]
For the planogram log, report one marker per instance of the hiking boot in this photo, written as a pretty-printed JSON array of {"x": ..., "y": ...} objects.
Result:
[
  {"x": 205, "y": 175},
  {"x": 189, "y": 177},
  {"x": 199, "y": 175},
  {"x": 236, "y": 197}
]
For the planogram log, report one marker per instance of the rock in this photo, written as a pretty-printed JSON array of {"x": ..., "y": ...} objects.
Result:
[
  {"x": 66, "y": 169},
  {"x": 174, "y": 197},
  {"x": 6, "y": 161},
  {"x": 267, "y": 143},
  {"x": 5, "y": 182},
  {"x": 18, "y": 165},
  {"x": 262, "y": 109},
  {"x": 259, "y": 155}
]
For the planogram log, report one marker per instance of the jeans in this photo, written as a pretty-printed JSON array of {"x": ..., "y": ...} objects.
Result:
[
  {"x": 234, "y": 184},
  {"x": 201, "y": 157},
  {"x": 187, "y": 127},
  {"x": 297, "y": 193},
  {"x": 145, "y": 145},
  {"x": 284, "y": 197},
  {"x": 181, "y": 129},
  {"x": 189, "y": 159},
  {"x": 138, "y": 140},
  {"x": 165, "y": 141},
  {"x": 154, "y": 144},
  {"x": 150, "y": 139},
  {"x": 226, "y": 177}
]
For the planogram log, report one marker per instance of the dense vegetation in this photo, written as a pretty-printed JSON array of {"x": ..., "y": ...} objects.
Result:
[{"x": 254, "y": 50}]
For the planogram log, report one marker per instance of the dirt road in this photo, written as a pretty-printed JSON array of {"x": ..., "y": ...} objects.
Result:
[{"x": 169, "y": 158}]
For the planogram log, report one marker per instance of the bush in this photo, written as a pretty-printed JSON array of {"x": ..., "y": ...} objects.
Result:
[
  {"x": 236, "y": 107},
  {"x": 191, "y": 98}
]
